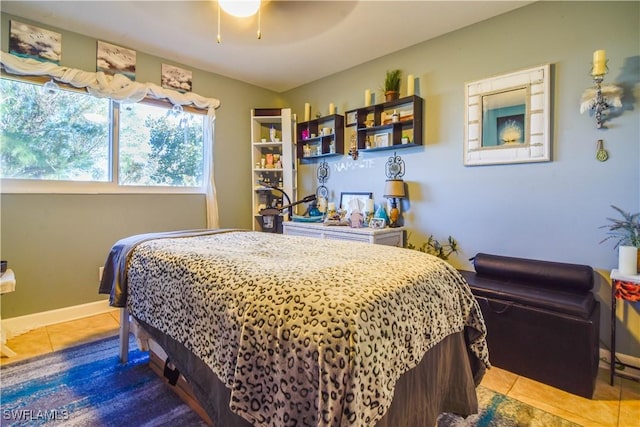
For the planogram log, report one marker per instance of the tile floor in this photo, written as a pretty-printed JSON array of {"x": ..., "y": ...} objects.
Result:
[{"x": 617, "y": 405}]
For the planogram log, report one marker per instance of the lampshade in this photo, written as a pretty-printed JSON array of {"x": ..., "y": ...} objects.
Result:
[
  {"x": 240, "y": 8},
  {"x": 394, "y": 188}
]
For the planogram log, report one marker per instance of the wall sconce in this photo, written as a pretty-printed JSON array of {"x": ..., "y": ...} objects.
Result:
[
  {"x": 601, "y": 98},
  {"x": 322, "y": 192},
  {"x": 394, "y": 187}
]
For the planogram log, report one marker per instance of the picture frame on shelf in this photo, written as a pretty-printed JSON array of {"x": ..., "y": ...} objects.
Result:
[
  {"x": 346, "y": 198},
  {"x": 377, "y": 223},
  {"x": 351, "y": 118},
  {"x": 507, "y": 118},
  {"x": 381, "y": 140}
]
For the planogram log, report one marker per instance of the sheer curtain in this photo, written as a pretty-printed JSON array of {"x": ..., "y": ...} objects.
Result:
[{"x": 121, "y": 89}]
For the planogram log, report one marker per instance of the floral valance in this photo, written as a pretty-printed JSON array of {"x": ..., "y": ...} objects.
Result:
[{"x": 117, "y": 87}]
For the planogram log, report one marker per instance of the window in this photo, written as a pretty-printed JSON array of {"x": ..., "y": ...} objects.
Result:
[
  {"x": 68, "y": 141},
  {"x": 160, "y": 146},
  {"x": 52, "y": 134}
]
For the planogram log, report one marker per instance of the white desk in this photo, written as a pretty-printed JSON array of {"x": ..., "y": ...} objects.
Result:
[
  {"x": 380, "y": 236},
  {"x": 7, "y": 284}
]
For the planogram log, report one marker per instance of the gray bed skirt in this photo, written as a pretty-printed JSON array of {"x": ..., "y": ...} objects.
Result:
[{"x": 444, "y": 381}]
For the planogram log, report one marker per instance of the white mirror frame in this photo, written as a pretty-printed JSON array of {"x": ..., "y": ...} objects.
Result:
[{"x": 533, "y": 142}]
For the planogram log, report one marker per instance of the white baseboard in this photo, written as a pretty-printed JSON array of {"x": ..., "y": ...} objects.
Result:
[
  {"x": 605, "y": 361},
  {"x": 19, "y": 325}
]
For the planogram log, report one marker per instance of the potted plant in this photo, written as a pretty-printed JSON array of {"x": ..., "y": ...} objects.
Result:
[
  {"x": 625, "y": 231},
  {"x": 434, "y": 247},
  {"x": 392, "y": 85}
]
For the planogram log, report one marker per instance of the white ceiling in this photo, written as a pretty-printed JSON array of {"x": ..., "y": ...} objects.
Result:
[{"x": 302, "y": 41}]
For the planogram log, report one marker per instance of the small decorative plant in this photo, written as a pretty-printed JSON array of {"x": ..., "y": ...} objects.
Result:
[
  {"x": 434, "y": 247},
  {"x": 625, "y": 231},
  {"x": 392, "y": 81}
]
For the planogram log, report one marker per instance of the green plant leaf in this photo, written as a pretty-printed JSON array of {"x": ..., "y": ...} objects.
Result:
[
  {"x": 625, "y": 231},
  {"x": 392, "y": 80}
]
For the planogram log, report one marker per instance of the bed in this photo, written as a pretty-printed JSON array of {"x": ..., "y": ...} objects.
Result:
[{"x": 274, "y": 330}]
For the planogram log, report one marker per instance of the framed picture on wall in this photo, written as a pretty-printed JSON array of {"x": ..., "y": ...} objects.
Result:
[
  {"x": 112, "y": 59},
  {"x": 507, "y": 118},
  {"x": 177, "y": 78},
  {"x": 28, "y": 41}
]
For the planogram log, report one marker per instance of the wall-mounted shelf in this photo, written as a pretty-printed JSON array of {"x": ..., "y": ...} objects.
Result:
[
  {"x": 377, "y": 129},
  {"x": 313, "y": 143}
]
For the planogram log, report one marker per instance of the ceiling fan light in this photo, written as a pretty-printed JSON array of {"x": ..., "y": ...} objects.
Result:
[{"x": 240, "y": 8}]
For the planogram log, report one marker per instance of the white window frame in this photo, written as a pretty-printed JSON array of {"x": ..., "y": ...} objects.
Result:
[{"x": 35, "y": 186}]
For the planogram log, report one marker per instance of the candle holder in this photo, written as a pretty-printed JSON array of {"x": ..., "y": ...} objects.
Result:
[
  {"x": 600, "y": 99},
  {"x": 322, "y": 192}
]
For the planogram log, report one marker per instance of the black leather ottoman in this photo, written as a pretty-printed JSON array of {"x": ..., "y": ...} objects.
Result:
[{"x": 542, "y": 319}]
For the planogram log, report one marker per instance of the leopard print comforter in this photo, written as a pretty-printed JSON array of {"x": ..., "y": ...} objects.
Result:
[{"x": 304, "y": 332}]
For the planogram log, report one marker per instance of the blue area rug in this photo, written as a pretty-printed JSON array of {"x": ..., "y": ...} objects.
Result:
[
  {"x": 498, "y": 410},
  {"x": 87, "y": 386}
]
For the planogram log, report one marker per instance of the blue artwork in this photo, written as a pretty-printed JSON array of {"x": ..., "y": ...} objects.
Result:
[
  {"x": 510, "y": 129},
  {"x": 506, "y": 125}
]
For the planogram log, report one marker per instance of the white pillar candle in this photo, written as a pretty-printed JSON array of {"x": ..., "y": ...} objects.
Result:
[
  {"x": 628, "y": 260},
  {"x": 369, "y": 207},
  {"x": 307, "y": 111},
  {"x": 322, "y": 204},
  {"x": 599, "y": 63},
  {"x": 411, "y": 82},
  {"x": 332, "y": 108},
  {"x": 331, "y": 206},
  {"x": 367, "y": 97}
]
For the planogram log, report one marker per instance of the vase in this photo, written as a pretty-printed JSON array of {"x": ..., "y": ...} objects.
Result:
[
  {"x": 381, "y": 213},
  {"x": 628, "y": 260},
  {"x": 391, "y": 95}
]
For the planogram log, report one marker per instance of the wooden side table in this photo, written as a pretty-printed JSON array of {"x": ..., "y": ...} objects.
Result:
[{"x": 626, "y": 288}]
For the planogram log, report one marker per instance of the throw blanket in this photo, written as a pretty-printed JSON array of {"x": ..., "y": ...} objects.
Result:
[
  {"x": 302, "y": 331},
  {"x": 114, "y": 276}
]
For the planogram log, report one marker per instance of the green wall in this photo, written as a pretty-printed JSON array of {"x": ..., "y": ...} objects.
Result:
[
  {"x": 547, "y": 210},
  {"x": 55, "y": 243}
]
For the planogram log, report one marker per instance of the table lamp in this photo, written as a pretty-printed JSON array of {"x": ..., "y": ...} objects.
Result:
[{"x": 394, "y": 190}]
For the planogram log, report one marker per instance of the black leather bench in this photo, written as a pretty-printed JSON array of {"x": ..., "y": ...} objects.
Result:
[{"x": 542, "y": 319}]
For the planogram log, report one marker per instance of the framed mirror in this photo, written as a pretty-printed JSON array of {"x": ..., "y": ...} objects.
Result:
[{"x": 507, "y": 118}]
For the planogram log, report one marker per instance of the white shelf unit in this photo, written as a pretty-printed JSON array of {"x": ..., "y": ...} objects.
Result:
[{"x": 265, "y": 167}]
